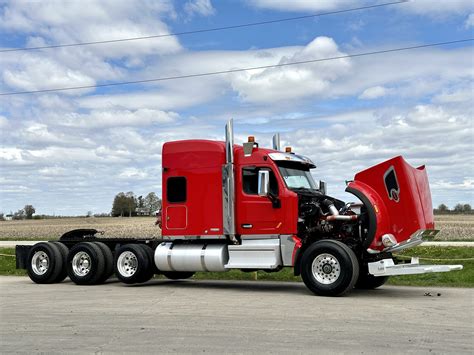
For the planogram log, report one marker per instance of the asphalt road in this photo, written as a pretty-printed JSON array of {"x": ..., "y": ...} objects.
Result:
[{"x": 231, "y": 317}]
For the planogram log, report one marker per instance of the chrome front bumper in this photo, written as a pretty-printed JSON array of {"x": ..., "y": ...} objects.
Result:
[{"x": 387, "y": 267}]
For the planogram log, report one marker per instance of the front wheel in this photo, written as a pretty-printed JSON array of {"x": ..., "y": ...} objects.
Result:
[{"x": 329, "y": 268}]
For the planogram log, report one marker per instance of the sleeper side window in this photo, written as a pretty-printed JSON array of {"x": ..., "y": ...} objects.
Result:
[
  {"x": 176, "y": 189},
  {"x": 250, "y": 180}
]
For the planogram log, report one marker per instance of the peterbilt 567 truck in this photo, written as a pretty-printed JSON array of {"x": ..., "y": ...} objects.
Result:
[{"x": 246, "y": 207}]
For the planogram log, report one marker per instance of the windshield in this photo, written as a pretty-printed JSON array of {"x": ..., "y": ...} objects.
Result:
[{"x": 297, "y": 177}]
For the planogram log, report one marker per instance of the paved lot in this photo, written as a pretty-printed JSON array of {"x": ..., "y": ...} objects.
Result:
[{"x": 230, "y": 317}]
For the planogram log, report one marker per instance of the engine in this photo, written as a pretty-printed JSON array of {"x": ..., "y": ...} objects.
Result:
[{"x": 322, "y": 216}]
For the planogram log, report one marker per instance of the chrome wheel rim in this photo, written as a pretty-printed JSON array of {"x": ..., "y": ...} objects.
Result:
[
  {"x": 326, "y": 269},
  {"x": 81, "y": 264},
  {"x": 127, "y": 264},
  {"x": 40, "y": 262}
]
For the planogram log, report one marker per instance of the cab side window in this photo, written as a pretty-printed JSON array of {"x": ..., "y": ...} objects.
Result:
[
  {"x": 250, "y": 180},
  {"x": 176, "y": 189}
]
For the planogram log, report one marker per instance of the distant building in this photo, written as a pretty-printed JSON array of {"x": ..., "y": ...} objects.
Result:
[
  {"x": 142, "y": 211},
  {"x": 8, "y": 217}
]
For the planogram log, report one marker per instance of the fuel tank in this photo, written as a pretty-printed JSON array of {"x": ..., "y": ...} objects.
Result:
[
  {"x": 191, "y": 257},
  {"x": 398, "y": 201}
]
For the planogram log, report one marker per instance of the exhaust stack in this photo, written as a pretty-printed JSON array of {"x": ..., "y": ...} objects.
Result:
[
  {"x": 276, "y": 141},
  {"x": 228, "y": 185}
]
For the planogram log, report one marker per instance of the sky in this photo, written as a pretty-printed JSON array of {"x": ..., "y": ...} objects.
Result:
[{"x": 70, "y": 152}]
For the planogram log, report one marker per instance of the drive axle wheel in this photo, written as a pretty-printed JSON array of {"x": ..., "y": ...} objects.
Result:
[
  {"x": 64, "y": 251},
  {"x": 45, "y": 263},
  {"x": 86, "y": 264},
  {"x": 132, "y": 264},
  {"x": 329, "y": 268}
]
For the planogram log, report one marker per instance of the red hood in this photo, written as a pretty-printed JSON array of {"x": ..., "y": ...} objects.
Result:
[{"x": 400, "y": 199}]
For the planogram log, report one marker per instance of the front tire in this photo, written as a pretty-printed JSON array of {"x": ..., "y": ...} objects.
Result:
[{"x": 329, "y": 268}]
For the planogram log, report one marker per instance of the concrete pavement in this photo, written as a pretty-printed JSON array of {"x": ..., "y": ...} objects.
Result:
[{"x": 231, "y": 317}]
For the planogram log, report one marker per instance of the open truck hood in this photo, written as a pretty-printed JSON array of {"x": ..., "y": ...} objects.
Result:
[{"x": 398, "y": 201}]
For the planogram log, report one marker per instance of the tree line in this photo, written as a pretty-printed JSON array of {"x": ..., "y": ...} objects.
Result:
[
  {"x": 127, "y": 204},
  {"x": 458, "y": 209},
  {"x": 26, "y": 212}
]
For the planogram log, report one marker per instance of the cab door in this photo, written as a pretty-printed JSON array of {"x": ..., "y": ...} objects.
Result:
[{"x": 257, "y": 214}]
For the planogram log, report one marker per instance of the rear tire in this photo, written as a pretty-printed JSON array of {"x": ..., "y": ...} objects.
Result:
[
  {"x": 151, "y": 260},
  {"x": 178, "y": 275},
  {"x": 86, "y": 264},
  {"x": 64, "y": 251},
  {"x": 132, "y": 264},
  {"x": 45, "y": 263},
  {"x": 108, "y": 260},
  {"x": 329, "y": 268}
]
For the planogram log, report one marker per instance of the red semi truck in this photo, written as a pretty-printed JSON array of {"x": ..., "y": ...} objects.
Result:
[{"x": 251, "y": 208}]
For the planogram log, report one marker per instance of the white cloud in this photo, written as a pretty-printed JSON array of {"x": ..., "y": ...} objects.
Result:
[
  {"x": 39, "y": 133},
  {"x": 133, "y": 173},
  {"x": 288, "y": 83},
  {"x": 41, "y": 73},
  {"x": 373, "y": 92},
  {"x": 437, "y": 9},
  {"x": 52, "y": 22},
  {"x": 469, "y": 21},
  {"x": 118, "y": 118},
  {"x": 3, "y": 122},
  {"x": 199, "y": 7},
  {"x": 302, "y": 5}
]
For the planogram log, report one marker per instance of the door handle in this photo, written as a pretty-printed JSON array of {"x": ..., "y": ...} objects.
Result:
[{"x": 246, "y": 225}]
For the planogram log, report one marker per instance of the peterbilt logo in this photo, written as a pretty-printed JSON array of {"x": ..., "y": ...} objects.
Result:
[{"x": 391, "y": 184}]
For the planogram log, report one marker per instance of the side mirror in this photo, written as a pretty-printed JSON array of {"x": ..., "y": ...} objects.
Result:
[
  {"x": 263, "y": 182},
  {"x": 322, "y": 187}
]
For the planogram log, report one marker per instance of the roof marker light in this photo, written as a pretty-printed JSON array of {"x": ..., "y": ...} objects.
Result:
[{"x": 287, "y": 149}]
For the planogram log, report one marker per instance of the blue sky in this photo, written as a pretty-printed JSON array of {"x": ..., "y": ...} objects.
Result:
[{"x": 71, "y": 152}]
